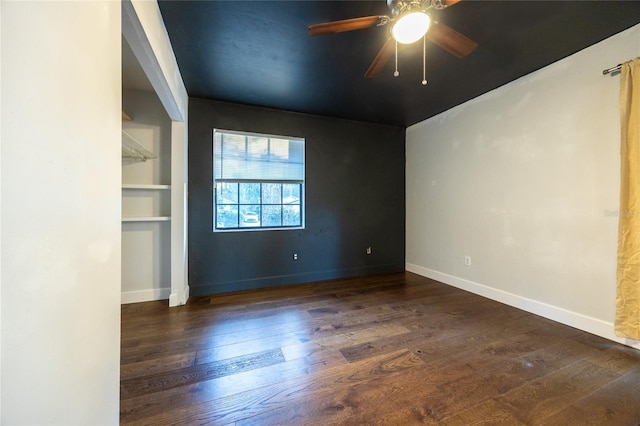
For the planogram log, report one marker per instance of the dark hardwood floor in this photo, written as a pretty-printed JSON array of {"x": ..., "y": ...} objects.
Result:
[{"x": 394, "y": 349}]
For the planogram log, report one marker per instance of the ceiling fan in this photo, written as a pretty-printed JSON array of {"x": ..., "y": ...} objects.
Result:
[{"x": 410, "y": 22}]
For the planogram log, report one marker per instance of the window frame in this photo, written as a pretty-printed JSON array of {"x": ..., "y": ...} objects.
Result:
[{"x": 238, "y": 204}]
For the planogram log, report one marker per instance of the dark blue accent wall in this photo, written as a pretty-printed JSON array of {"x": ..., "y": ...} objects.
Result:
[{"x": 355, "y": 198}]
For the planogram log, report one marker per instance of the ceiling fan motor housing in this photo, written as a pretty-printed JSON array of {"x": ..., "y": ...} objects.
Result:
[{"x": 398, "y": 7}]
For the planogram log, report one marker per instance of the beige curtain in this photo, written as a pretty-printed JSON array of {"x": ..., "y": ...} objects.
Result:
[{"x": 628, "y": 274}]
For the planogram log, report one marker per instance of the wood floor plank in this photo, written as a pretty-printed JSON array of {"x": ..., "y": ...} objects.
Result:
[
  {"x": 227, "y": 334},
  {"x": 490, "y": 412},
  {"x": 342, "y": 340},
  {"x": 443, "y": 334},
  {"x": 145, "y": 406},
  {"x": 198, "y": 373},
  {"x": 227, "y": 343},
  {"x": 556, "y": 391},
  {"x": 606, "y": 353},
  {"x": 447, "y": 386},
  {"x": 363, "y": 403},
  {"x": 250, "y": 403},
  {"x": 191, "y": 317},
  {"x": 615, "y": 404},
  {"x": 316, "y": 338},
  {"x": 222, "y": 335},
  {"x": 205, "y": 340},
  {"x": 157, "y": 365},
  {"x": 391, "y": 349},
  {"x": 397, "y": 399}
]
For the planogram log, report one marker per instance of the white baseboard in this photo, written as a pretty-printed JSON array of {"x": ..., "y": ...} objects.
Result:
[
  {"x": 144, "y": 295},
  {"x": 179, "y": 298},
  {"x": 573, "y": 319}
]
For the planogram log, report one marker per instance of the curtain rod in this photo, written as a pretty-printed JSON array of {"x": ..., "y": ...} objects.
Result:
[{"x": 612, "y": 69}]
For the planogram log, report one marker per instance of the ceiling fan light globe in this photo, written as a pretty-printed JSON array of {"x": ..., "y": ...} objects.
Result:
[{"x": 411, "y": 27}]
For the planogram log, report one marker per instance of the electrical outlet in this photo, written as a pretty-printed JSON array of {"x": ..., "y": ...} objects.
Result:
[
  {"x": 369, "y": 251},
  {"x": 295, "y": 256},
  {"x": 467, "y": 261}
]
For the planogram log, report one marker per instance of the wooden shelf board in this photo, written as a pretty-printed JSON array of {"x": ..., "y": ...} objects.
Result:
[
  {"x": 144, "y": 186},
  {"x": 147, "y": 219}
]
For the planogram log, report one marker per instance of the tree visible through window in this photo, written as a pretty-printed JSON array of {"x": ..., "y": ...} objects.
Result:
[{"x": 258, "y": 181}]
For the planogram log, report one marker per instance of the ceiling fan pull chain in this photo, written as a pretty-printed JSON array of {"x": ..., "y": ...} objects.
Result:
[
  {"x": 396, "y": 73},
  {"x": 424, "y": 60}
]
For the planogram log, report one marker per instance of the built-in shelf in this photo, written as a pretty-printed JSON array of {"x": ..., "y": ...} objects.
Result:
[
  {"x": 145, "y": 202},
  {"x": 133, "y": 151},
  {"x": 147, "y": 219},
  {"x": 144, "y": 186}
]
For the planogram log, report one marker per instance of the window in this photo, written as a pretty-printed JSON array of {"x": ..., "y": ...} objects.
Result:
[{"x": 258, "y": 181}]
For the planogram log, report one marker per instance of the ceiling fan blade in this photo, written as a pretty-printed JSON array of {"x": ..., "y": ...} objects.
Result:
[
  {"x": 381, "y": 59},
  {"x": 345, "y": 25},
  {"x": 451, "y": 40},
  {"x": 449, "y": 3}
]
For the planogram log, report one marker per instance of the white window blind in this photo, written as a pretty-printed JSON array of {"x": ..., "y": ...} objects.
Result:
[{"x": 259, "y": 158}]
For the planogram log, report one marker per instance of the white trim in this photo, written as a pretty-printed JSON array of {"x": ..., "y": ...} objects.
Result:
[
  {"x": 144, "y": 295},
  {"x": 143, "y": 28},
  {"x": 573, "y": 319},
  {"x": 1, "y": 317},
  {"x": 179, "y": 298},
  {"x": 179, "y": 217}
]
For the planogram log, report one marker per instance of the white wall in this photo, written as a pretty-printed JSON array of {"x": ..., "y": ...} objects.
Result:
[
  {"x": 525, "y": 181},
  {"x": 60, "y": 253}
]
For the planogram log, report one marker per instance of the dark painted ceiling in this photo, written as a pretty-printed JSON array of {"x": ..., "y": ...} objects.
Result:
[{"x": 259, "y": 53}]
